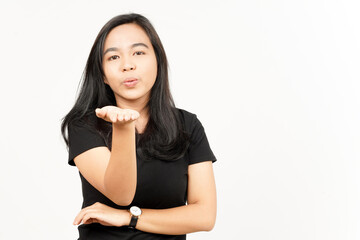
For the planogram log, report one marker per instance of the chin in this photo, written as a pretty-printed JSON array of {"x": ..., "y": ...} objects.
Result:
[{"x": 132, "y": 97}]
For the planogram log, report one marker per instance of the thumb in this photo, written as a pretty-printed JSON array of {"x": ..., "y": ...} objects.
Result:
[{"x": 99, "y": 112}]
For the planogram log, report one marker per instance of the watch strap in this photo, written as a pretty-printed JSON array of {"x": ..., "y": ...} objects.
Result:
[{"x": 133, "y": 221}]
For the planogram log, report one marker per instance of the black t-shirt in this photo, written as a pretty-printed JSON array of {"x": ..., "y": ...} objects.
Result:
[{"x": 160, "y": 184}]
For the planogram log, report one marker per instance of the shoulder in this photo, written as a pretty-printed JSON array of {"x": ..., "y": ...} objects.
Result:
[
  {"x": 88, "y": 128},
  {"x": 199, "y": 148},
  {"x": 83, "y": 135},
  {"x": 185, "y": 113},
  {"x": 88, "y": 123},
  {"x": 89, "y": 119},
  {"x": 190, "y": 119}
]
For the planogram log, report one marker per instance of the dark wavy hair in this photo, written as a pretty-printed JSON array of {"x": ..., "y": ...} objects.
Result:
[{"x": 164, "y": 137}]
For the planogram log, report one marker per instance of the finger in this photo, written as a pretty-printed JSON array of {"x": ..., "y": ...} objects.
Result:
[
  {"x": 137, "y": 115},
  {"x": 79, "y": 217},
  {"x": 103, "y": 113},
  {"x": 132, "y": 115},
  {"x": 113, "y": 117},
  {"x": 89, "y": 221},
  {"x": 121, "y": 117},
  {"x": 99, "y": 112},
  {"x": 89, "y": 218},
  {"x": 81, "y": 214}
]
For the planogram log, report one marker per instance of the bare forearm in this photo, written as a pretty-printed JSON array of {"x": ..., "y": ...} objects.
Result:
[
  {"x": 178, "y": 220},
  {"x": 120, "y": 176}
]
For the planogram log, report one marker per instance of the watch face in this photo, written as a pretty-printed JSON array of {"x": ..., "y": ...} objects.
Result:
[{"x": 135, "y": 211}]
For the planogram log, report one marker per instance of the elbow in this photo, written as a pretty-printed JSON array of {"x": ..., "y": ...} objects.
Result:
[
  {"x": 122, "y": 202},
  {"x": 209, "y": 214},
  {"x": 209, "y": 224},
  {"x": 123, "y": 199},
  {"x": 208, "y": 218}
]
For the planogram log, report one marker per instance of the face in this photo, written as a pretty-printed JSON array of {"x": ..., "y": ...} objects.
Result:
[{"x": 129, "y": 64}]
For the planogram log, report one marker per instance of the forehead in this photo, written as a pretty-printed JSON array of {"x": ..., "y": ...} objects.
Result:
[{"x": 125, "y": 35}]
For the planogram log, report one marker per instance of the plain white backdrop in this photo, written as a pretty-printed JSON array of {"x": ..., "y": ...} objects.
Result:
[{"x": 275, "y": 84}]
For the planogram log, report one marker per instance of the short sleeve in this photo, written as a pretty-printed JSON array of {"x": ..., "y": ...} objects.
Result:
[
  {"x": 82, "y": 139},
  {"x": 199, "y": 148}
]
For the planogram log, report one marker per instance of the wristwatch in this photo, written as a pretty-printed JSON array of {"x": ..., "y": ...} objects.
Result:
[{"x": 135, "y": 214}]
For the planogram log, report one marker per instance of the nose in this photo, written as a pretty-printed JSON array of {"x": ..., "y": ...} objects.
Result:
[{"x": 127, "y": 66}]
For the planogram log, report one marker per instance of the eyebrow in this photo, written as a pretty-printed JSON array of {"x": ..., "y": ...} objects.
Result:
[{"x": 132, "y": 46}]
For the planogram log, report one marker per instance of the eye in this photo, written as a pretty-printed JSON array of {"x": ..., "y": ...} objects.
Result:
[
  {"x": 139, "y": 53},
  {"x": 113, "y": 57}
]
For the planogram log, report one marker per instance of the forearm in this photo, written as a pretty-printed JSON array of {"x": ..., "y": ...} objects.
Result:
[
  {"x": 178, "y": 220},
  {"x": 120, "y": 175}
]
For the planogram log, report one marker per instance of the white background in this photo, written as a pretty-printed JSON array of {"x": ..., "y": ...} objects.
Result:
[{"x": 275, "y": 84}]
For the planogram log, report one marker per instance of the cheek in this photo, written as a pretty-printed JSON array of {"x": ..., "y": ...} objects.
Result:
[
  {"x": 109, "y": 74},
  {"x": 106, "y": 71},
  {"x": 152, "y": 70}
]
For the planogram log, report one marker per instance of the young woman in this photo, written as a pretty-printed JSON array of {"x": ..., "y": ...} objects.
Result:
[{"x": 145, "y": 165}]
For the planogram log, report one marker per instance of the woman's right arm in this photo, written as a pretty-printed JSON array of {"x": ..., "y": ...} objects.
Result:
[{"x": 113, "y": 173}]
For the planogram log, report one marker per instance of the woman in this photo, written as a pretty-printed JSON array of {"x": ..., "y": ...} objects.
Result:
[{"x": 145, "y": 165}]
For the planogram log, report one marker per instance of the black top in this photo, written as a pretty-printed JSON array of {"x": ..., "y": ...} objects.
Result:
[{"x": 160, "y": 184}]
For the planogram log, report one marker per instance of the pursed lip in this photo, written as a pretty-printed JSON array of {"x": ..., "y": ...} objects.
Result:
[{"x": 130, "y": 79}]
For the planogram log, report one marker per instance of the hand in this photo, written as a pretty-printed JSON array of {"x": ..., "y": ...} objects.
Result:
[
  {"x": 114, "y": 114},
  {"x": 103, "y": 214}
]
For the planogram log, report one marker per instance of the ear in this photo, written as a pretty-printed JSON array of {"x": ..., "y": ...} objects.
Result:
[{"x": 106, "y": 81}]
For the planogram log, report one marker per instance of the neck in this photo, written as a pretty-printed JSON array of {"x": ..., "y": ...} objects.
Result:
[{"x": 138, "y": 105}]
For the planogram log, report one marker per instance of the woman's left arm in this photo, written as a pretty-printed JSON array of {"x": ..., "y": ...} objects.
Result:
[{"x": 198, "y": 215}]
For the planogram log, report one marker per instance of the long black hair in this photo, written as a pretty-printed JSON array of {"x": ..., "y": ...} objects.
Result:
[{"x": 164, "y": 137}]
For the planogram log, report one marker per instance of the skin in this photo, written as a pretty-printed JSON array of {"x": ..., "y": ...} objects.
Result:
[
  {"x": 121, "y": 61},
  {"x": 129, "y": 53}
]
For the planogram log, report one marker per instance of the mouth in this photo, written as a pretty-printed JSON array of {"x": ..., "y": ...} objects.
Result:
[{"x": 130, "y": 82}]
